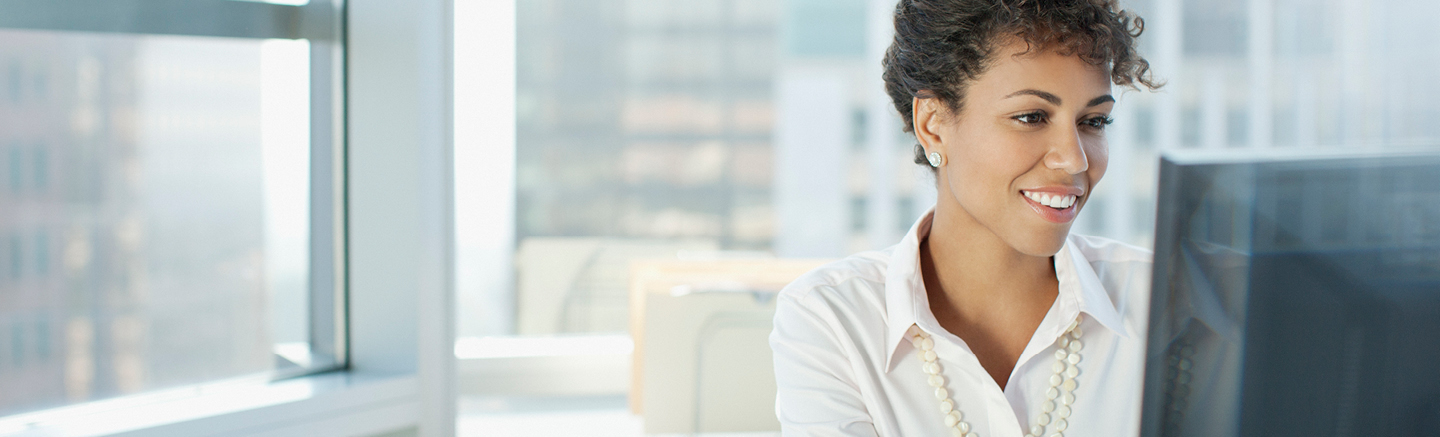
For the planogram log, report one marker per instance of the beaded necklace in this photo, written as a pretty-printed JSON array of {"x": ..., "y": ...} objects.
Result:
[{"x": 1054, "y": 412}]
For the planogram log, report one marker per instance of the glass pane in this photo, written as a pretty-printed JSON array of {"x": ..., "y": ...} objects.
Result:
[
  {"x": 1246, "y": 74},
  {"x": 154, "y": 216},
  {"x": 646, "y": 128},
  {"x": 644, "y": 131}
]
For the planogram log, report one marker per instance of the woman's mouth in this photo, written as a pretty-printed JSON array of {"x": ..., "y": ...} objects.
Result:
[
  {"x": 1057, "y": 201},
  {"x": 1053, "y": 207}
]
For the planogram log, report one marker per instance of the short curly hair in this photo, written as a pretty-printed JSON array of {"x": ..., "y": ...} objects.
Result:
[{"x": 942, "y": 45}]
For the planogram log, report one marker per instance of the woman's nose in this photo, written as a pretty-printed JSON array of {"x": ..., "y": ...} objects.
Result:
[{"x": 1067, "y": 152}]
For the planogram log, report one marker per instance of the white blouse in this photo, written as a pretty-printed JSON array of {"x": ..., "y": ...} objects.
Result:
[{"x": 842, "y": 369}]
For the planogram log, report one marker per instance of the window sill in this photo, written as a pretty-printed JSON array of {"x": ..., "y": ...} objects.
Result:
[
  {"x": 561, "y": 365},
  {"x": 335, "y": 403}
]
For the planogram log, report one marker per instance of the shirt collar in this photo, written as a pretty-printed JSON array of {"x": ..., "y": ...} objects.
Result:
[
  {"x": 1076, "y": 274},
  {"x": 905, "y": 287},
  {"x": 908, "y": 307}
]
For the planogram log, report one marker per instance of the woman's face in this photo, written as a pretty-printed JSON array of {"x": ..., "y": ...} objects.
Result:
[{"x": 1027, "y": 147}]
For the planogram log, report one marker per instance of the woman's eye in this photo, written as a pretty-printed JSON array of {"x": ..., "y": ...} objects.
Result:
[
  {"x": 1031, "y": 118},
  {"x": 1098, "y": 122}
]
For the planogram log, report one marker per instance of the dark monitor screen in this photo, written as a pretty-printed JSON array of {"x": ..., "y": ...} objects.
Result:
[{"x": 1295, "y": 296}]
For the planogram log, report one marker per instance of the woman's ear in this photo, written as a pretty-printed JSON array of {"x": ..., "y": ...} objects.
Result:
[{"x": 927, "y": 122}]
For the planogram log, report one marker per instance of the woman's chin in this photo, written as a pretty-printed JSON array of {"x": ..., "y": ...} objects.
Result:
[{"x": 1040, "y": 243}]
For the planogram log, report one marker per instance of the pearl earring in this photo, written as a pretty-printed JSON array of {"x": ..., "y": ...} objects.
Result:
[{"x": 936, "y": 159}]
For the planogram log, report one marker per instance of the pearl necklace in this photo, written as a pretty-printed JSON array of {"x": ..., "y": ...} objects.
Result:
[{"x": 1058, "y": 398}]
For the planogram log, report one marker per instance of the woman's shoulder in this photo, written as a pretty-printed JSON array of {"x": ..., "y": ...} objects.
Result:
[
  {"x": 1102, "y": 249},
  {"x": 840, "y": 304},
  {"x": 1123, "y": 271},
  {"x": 844, "y": 279}
]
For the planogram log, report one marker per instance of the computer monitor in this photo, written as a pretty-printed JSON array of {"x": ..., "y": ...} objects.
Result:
[{"x": 1295, "y": 295}]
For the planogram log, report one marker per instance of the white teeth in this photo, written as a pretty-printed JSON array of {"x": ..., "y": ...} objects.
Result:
[{"x": 1058, "y": 201}]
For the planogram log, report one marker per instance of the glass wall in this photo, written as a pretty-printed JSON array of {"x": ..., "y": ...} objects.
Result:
[
  {"x": 155, "y": 210},
  {"x": 643, "y": 130},
  {"x": 665, "y": 129},
  {"x": 1267, "y": 74}
]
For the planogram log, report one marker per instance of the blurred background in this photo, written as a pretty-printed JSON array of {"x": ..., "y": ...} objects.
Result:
[
  {"x": 624, "y": 213},
  {"x": 760, "y": 128}
]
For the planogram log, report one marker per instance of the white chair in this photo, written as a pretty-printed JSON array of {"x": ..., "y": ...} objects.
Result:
[
  {"x": 702, "y": 357},
  {"x": 579, "y": 284}
]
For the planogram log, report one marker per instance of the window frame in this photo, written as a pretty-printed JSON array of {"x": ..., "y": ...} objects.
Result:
[
  {"x": 320, "y": 22},
  {"x": 381, "y": 288}
]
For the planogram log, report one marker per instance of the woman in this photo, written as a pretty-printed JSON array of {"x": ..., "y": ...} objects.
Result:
[{"x": 988, "y": 318}]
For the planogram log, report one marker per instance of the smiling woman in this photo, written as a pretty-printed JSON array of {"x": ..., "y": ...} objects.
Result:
[
  {"x": 1034, "y": 127},
  {"x": 986, "y": 304}
]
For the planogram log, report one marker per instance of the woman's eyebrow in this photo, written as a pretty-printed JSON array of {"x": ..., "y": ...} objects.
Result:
[
  {"x": 1053, "y": 99},
  {"x": 1101, "y": 99}
]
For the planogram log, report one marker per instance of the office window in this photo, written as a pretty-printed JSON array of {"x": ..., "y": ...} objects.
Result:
[
  {"x": 16, "y": 80},
  {"x": 42, "y": 338},
  {"x": 17, "y": 344},
  {"x": 172, "y": 202},
  {"x": 17, "y": 176},
  {"x": 42, "y": 254},
  {"x": 655, "y": 129},
  {"x": 17, "y": 258},
  {"x": 644, "y": 130},
  {"x": 1266, "y": 74},
  {"x": 42, "y": 168},
  {"x": 649, "y": 129}
]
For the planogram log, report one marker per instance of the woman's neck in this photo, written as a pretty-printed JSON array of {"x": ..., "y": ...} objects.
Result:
[
  {"x": 977, "y": 270},
  {"x": 983, "y": 290}
]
